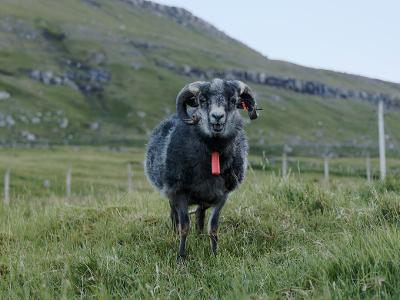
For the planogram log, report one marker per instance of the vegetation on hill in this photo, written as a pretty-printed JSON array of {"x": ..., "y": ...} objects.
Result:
[{"x": 89, "y": 72}]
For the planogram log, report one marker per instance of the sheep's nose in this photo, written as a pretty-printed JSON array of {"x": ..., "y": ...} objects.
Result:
[{"x": 217, "y": 116}]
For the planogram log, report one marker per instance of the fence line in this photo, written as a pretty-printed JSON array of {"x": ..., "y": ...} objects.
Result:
[
  {"x": 327, "y": 169},
  {"x": 283, "y": 165}
]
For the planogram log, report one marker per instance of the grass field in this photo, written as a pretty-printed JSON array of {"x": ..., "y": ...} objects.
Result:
[{"x": 294, "y": 238}]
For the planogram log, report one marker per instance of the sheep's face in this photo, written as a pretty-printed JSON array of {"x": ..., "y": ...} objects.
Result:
[
  {"x": 217, "y": 109},
  {"x": 215, "y": 106}
]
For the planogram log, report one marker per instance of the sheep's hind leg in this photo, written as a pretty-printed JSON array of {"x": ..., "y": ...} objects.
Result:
[
  {"x": 181, "y": 205},
  {"x": 213, "y": 225},
  {"x": 200, "y": 215}
]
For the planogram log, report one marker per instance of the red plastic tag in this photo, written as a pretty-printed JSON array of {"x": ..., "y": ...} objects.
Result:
[
  {"x": 215, "y": 167},
  {"x": 244, "y": 105}
]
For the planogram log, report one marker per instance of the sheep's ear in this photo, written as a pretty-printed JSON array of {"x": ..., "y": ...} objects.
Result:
[{"x": 247, "y": 99}]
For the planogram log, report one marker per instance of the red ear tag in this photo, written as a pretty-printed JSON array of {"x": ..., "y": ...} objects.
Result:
[
  {"x": 244, "y": 105},
  {"x": 215, "y": 167}
]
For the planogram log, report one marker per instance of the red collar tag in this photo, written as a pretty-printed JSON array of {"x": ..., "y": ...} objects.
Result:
[
  {"x": 215, "y": 166},
  {"x": 244, "y": 105}
]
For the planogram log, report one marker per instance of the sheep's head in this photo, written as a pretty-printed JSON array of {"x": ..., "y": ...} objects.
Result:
[{"x": 216, "y": 105}]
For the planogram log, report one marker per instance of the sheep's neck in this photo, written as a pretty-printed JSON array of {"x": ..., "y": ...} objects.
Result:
[{"x": 215, "y": 165}]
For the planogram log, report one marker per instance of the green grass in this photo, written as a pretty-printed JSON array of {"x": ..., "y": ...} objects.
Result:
[{"x": 295, "y": 238}]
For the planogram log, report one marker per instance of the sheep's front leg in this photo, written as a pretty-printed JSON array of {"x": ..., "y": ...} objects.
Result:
[
  {"x": 200, "y": 215},
  {"x": 174, "y": 217},
  {"x": 181, "y": 205},
  {"x": 213, "y": 225}
]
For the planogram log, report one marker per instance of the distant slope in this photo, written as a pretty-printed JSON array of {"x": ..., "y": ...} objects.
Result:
[{"x": 97, "y": 71}]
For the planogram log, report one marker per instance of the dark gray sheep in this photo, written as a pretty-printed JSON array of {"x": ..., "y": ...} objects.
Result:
[{"x": 178, "y": 159}]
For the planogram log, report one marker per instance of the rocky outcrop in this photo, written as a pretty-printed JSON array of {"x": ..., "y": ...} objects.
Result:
[
  {"x": 86, "y": 80},
  {"x": 178, "y": 15},
  {"x": 315, "y": 88},
  {"x": 4, "y": 95}
]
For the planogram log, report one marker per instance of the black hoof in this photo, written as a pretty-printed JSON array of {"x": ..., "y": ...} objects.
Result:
[{"x": 181, "y": 258}]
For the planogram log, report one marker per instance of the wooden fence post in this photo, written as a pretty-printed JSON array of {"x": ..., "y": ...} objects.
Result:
[
  {"x": 326, "y": 169},
  {"x": 130, "y": 176},
  {"x": 381, "y": 129},
  {"x": 284, "y": 165},
  {"x": 368, "y": 167},
  {"x": 7, "y": 187},
  {"x": 68, "y": 182}
]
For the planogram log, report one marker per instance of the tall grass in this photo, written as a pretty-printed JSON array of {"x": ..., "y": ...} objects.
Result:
[{"x": 278, "y": 239}]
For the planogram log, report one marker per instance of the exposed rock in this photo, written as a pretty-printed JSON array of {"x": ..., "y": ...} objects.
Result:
[
  {"x": 86, "y": 80},
  {"x": 64, "y": 123},
  {"x": 47, "y": 77},
  {"x": 141, "y": 114},
  {"x": 92, "y": 3},
  {"x": 71, "y": 84},
  {"x": 20, "y": 28},
  {"x": 2, "y": 121},
  {"x": 30, "y": 137},
  {"x": 35, "y": 120},
  {"x": 4, "y": 95},
  {"x": 136, "y": 66},
  {"x": 96, "y": 58},
  {"x": 296, "y": 85},
  {"x": 141, "y": 44},
  {"x": 36, "y": 74},
  {"x": 94, "y": 126},
  {"x": 23, "y": 119},
  {"x": 180, "y": 16},
  {"x": 10, "y": 121}
]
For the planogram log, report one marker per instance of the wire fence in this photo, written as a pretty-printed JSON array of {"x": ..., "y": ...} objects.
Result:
[{"x": 284, "y": 166}]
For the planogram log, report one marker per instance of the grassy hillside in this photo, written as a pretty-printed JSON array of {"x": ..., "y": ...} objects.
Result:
[
  {"x": 110, "y": 49},
  {"x": 278, "y": 239}
]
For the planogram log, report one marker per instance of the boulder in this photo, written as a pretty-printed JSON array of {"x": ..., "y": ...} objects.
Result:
[
  {"x": 4, "y": 95},
  {"x": 64, "y": 123}
]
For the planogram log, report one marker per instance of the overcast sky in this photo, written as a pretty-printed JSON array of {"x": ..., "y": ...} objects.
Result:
[{"x": 354, "y": 36}]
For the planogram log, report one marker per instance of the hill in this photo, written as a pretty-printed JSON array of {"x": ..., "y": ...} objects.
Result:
[{"x": 105, "y": 72}]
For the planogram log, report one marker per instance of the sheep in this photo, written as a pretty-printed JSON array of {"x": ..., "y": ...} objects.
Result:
[{"x": 199, "y": 157}]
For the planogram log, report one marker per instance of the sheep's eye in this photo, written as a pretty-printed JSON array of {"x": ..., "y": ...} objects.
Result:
[{"x": 202, "y": 99}]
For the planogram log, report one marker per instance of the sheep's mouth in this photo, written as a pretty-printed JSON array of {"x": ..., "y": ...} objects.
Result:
[{"x": 218, "y": 127}]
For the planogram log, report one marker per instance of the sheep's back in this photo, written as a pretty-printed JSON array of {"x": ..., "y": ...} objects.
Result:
[{"x": 155, "y": 161}]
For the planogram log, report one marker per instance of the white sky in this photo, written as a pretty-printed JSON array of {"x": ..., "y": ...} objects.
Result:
[{"x": 353, "y": 36}]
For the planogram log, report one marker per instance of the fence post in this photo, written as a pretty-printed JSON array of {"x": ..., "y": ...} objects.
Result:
[
  {"x": 68, "y": 182},
  {"x": 130, "y": 176},
  {"x": 284, "y": 164},
  {"x": 368, "y": 167},
  {"x": 381, "y": 128},
  {"x": 326, "y": 169},
  {"x": 7, "y": 187}
]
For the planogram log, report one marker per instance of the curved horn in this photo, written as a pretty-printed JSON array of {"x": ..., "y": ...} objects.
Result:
[
  {"x": 188, "y": 96},
  {"x": 247, "y": 99}
]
